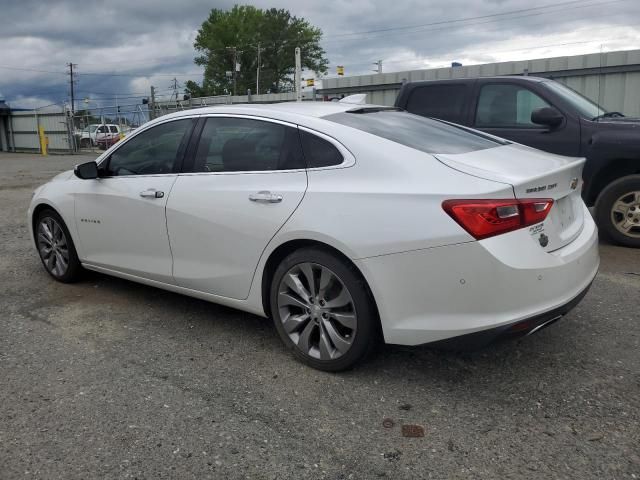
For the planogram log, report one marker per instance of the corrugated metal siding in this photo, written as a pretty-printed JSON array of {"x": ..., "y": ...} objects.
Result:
[
  {"x": 614, "y": 90},
  {"x": 25, "y": 130}
]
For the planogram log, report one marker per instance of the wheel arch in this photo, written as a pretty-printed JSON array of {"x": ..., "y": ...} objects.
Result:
[
  {"x": 46, "y": 205},
  {"x": 612, "y": 171},
  {"x": 284, "y": 249},
  {"x": 36, "y": 212}
]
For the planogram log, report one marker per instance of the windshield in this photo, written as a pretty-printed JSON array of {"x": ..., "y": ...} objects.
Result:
[
  {"x": 583, "y": 105},
  {"x": 424, "y": 134}
]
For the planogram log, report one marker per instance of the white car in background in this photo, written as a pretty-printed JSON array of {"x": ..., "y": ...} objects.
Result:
[{"x": 339, "y": 221}]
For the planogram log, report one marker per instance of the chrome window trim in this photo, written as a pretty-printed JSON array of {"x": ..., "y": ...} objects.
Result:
[{"x": 348, "y": 158}]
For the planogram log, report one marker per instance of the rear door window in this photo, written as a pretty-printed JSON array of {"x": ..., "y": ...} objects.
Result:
[
  {"x": 446, "y": 101},
  {"x": 241, "y": 145},
  {"x": 504, "y": 105}
]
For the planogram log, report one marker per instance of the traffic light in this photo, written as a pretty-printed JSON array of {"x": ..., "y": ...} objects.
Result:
[
  {"x": 340, "y": 69},
  {"x": 310, "y": 82}
]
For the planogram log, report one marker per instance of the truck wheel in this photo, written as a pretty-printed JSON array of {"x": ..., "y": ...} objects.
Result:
[{"x": 618, "y": 211}]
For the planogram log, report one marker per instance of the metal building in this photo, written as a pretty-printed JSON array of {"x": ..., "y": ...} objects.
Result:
[{"x": 611, "y": 79}]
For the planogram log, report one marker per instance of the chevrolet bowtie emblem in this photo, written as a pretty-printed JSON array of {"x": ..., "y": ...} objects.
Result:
[{"x": 574, "y": 183}]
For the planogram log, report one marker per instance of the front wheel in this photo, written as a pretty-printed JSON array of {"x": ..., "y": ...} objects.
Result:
[
  {"x": 56, "y": 248},
  {"x": 618, "y": 211},
  {"x": 322, "y": 310}
]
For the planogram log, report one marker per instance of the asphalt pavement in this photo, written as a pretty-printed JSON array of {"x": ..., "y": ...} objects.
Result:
[{"x": 110, "y": 379}]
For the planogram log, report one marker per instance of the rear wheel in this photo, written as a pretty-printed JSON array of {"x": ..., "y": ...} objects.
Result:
[
  {"x": 56, "y": 248},
  {"x": 618, "y": 211},
  {"x": 322, "y": 310}
]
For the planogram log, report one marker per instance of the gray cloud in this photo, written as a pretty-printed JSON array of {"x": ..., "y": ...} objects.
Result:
[{"x": 146, "y": 41}]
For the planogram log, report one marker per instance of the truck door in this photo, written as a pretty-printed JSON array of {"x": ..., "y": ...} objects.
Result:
[{"x": 504, "y": 109}]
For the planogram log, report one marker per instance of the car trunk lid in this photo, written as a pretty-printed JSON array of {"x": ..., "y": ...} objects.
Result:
[{"x": 533, "y": 174}]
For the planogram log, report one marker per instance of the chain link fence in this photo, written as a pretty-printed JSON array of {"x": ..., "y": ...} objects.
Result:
[{"x": 56, "y": 129}]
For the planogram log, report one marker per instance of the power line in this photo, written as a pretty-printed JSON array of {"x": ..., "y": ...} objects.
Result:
[
  {"x": 442, "y": 22},
  {"x": 443, "y": 25},
  {"x": 497, "y": 51}
]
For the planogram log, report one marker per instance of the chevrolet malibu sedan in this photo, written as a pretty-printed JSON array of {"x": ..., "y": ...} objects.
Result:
[{"x": 344, "y": 223}]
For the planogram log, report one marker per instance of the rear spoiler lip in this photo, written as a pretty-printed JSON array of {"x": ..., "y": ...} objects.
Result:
[{"x": 491, "y": 175}]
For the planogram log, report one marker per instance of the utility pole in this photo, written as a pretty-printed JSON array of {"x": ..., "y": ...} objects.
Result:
[
  {"x": 298, "y": 76},
  {"x": 258, "y": 72},
  {"x": 152, "y": 112},
  {"x": 71, "y": 82},
  {"x": 378, "y": 64},
  {"x": 175, "y": 87},
  {"x": 236, "y": 66}
]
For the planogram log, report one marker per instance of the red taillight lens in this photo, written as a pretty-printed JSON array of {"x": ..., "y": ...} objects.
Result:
[{"x": 487, "y": 218}]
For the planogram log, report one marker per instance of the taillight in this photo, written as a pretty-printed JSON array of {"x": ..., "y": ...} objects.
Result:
[{"x": 487, "y": 218}]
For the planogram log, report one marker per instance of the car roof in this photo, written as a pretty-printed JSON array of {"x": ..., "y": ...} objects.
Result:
[
  {"x": 306, "y": 109},
  {"x": 306, "y": 113},
  {"x": 517, "y": 78}
]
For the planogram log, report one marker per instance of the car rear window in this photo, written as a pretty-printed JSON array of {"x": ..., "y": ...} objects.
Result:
[{"x": 424, "y": 134}]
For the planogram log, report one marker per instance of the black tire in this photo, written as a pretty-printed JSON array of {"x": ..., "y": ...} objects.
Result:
[
  {"x": 73, "y": 269},
  {"x": 366, "y": 334},
  {"x": 606, "y": 218},
  {"x": 85, "y": 143}
]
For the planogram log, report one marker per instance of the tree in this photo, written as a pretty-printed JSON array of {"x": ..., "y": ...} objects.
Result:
[{"x": 237, "y": 33}]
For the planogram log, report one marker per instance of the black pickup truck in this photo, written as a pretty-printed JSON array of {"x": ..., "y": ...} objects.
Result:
[{"x": 547, "y": 115}]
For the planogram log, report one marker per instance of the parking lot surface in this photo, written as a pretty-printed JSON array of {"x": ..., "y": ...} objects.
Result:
[{"x": 110, "y": 379}]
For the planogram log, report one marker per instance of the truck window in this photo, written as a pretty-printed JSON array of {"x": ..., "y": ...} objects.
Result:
[
  {"x": 503, "y": 105},
  {"x": 445, "y": 102}
]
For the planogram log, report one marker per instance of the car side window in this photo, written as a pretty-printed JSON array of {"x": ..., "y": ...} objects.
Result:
[
  {"x": 152, "y": 152},
  {"x": 318, "y": 152},
  {"x": 243, "y": 145},
  {"x": 503, "y": 105},
  {"x": 113, "y": 129},
  {"x": 445, "y": 102}
]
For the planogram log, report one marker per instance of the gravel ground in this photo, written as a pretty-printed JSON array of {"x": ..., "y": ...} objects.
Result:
[{"x": 111, "y": 379}]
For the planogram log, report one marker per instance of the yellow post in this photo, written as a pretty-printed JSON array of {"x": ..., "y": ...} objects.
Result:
[{"x": 44, "y": 142}]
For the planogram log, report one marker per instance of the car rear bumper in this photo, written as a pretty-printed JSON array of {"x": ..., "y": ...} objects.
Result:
[
  {"x": 434, "y": 294},
  {"x": 521, "y": 328}
]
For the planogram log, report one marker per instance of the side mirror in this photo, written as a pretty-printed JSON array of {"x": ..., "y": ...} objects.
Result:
[
  {"x": 86, "y": 171},
  {"x": 547, "y": 116}
]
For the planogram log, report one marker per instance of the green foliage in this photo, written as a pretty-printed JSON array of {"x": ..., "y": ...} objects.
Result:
[{"x": 243, "y": 28}]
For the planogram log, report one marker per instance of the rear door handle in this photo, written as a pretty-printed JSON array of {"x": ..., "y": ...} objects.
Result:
[
  {"x": 265, "y": 196},
  {"x": 152, "y": 193}
]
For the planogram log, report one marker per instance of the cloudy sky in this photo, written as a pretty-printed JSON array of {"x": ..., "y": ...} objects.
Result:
[{"x": 122, "y": 47}]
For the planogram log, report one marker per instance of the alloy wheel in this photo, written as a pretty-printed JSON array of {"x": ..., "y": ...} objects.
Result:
[
  {"x": 625, "y": 214},
  {"x": 317, "y": 311},
  {"x": 53, "y": 246}
]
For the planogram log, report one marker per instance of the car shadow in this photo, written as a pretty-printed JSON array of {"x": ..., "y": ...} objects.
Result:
[{"x": 201, "y": 321}]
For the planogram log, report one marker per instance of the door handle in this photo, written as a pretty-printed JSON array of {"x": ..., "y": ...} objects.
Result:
[
  {"x": 152, "y": 193},
  {"x": 264, "y": 196}
]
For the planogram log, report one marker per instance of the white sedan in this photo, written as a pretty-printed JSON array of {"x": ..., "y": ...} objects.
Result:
[{"x": 341, "y": 222}]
